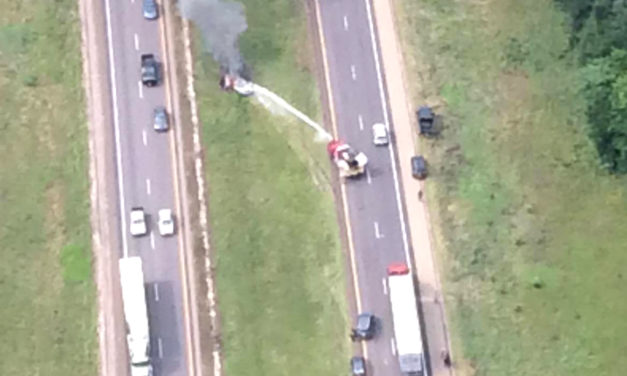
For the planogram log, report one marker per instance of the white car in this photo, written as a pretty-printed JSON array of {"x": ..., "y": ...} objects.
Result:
[
  {"x": 166, "y": 222},
  {"x": 380, "y": 134},
  {"x": 138, "y": 222}
]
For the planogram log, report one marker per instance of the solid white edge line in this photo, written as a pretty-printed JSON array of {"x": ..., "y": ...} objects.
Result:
[
  {"x": 116, "y": 127},
  {"x": 156, "y": 287},
  {"x": 375, "y": 52},
  {"x": 152, "y": 240}
]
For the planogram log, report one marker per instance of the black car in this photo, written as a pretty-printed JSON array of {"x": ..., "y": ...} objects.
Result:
[
  {"x": 426, "y": 120},
  {"x": 358, "y": 366},
  {"x": 149, "y": 70},
  {"x": 160, "y": 119},
  {"x": 150, "y": 9},
  {"x": 418, "y": 167},
  {"x": 365, "y": 327}
]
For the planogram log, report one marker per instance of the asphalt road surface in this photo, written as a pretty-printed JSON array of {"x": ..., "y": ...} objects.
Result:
[
  {"x": 145, "y": 178},
  {"x": 375, "y": 210}
]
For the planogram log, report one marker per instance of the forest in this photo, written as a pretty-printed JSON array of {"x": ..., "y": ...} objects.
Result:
[{"x": 599, "y": 39}]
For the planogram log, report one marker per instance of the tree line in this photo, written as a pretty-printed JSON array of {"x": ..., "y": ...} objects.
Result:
[{"x": 599, "y": 37}]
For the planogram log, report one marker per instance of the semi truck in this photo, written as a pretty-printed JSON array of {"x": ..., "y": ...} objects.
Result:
[
  {"x": 407, "y": 331},
  {"x": 135, "y": 315}
]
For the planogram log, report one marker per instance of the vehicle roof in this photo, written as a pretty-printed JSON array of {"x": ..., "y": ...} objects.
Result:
[
  {"x": 364, "y": 320},
  {"x": 425, "y": 112}
]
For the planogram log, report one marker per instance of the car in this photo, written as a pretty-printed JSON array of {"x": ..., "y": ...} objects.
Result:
[
  {"x": 150, "y": 9},
  {"x": 166, "y": 222},
  {"x": 358, "y": 366},
  {"x": 365, "y": 328},
  {"x": 380, "y": 134},
  {"x": 138, "y": 221},
  {"x": 160, "y": 119},
  {"x": 418, "y": 167},
  {"x": 149, "y": 70},
  {"x": 426, "y": 121}
]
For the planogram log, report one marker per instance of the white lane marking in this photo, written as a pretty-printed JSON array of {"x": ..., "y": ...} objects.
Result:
[
  {"x": 136, "y": 37},
  {"x": 160, "y": 347},
  {"x": 353, "y": 73},
  {"x": 156, "y": 292},
  {"x": 393, "y": 345},
  {"x": 361, "y": 122},
  {"x": 152, "y": 240},
  {"x": 116, "y": 127},
  {"x": 386, "y": 120},
  {"x": 377, "y": 233},
  {"x": 345, "y": 23},
  {"x": 148, "y": 186},
  {"x": 368, "y": 177},
  {"x": 384, "y": 281},
  {"x": 141, "y": 89},
  {"x": 144, "y": 137}
]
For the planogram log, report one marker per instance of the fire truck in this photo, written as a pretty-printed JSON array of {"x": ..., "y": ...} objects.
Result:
[{"x": 350, "y": 162}]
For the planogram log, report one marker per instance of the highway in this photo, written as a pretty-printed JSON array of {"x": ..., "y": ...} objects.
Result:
[
  {"x": 374, "y": 206},
  {"x": 144, "y": 164}
]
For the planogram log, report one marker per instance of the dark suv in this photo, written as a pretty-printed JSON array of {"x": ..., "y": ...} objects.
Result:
[
  {"x": 365, "y": 327},
  {"x": 418, "y": 167}
]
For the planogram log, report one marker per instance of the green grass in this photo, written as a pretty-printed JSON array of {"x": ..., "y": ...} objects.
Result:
[
  {"x": 280, "y": 273},
  {"x": 532, "y": 233},
  {"x": 47, "y": 316}
]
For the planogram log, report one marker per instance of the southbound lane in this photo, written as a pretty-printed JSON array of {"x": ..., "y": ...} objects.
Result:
[
  {"x": 145, "y": 177},
  {"x": 374, "y": 204}
]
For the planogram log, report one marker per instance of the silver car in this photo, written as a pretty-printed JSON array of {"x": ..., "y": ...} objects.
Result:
[
  {"x": 150, "y": 9},
  {"x": 380, "y": 134},
  {"x": 160, "y": 119}
]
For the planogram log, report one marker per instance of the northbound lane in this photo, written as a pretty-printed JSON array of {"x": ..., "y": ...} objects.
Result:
[{"x": 145, "y": 177}]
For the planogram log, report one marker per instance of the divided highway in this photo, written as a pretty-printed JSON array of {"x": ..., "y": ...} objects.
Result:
[
  {"x": 145, "y": 163},
  {"x": 374, "y": 206}
]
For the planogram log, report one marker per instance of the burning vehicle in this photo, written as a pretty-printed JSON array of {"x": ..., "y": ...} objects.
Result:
[{"x": 231, "y": 82}]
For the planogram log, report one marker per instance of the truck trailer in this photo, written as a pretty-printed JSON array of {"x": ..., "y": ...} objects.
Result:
[
  {"x": 135, "y": 315},
  {"x": 407, "y": 331}
]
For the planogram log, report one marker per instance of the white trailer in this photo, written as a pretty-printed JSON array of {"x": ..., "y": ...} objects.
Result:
[
  {"x": 136, "y": 315},
  {"x": 407, "y": 332}
]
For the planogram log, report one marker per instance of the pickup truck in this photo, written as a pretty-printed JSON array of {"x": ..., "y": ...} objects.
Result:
[{"x": 150, "y": 70}]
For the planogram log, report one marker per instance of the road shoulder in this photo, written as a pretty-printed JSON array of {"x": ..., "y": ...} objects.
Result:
[{"x": 113, "y": 358}]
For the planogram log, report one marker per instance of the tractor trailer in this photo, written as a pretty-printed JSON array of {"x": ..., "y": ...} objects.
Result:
[
  {"x": 135, "y": 315},
  {"x": 407, "y": 332}
]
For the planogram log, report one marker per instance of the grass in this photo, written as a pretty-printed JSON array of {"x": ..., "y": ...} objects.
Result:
[
  {"x": 531, "y": 230},
  {"x": 47, "y": 316},
  {"x": 280, "y": 274}
]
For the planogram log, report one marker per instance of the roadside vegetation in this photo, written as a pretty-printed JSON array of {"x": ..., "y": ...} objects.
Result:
[
  {"x": 530, "y": 227},
  {"x": 47, "y": 316},
  {"x": 280, "y": 273}
]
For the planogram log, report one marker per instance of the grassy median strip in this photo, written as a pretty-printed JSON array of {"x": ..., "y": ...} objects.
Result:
[
  {"x": 533, "y": 232},
  {"x": 280, "y": 273},
  {"x": 47, "y": 315}
]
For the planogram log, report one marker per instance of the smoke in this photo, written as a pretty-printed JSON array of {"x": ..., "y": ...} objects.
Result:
[{"x": 221, "y": 23}]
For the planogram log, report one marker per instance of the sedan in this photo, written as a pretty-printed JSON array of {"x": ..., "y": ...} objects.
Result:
[
  {"x": 166, "y": 222},
  {"x": 160, "y": 119},
  {"x": 150, "y": 10}
]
